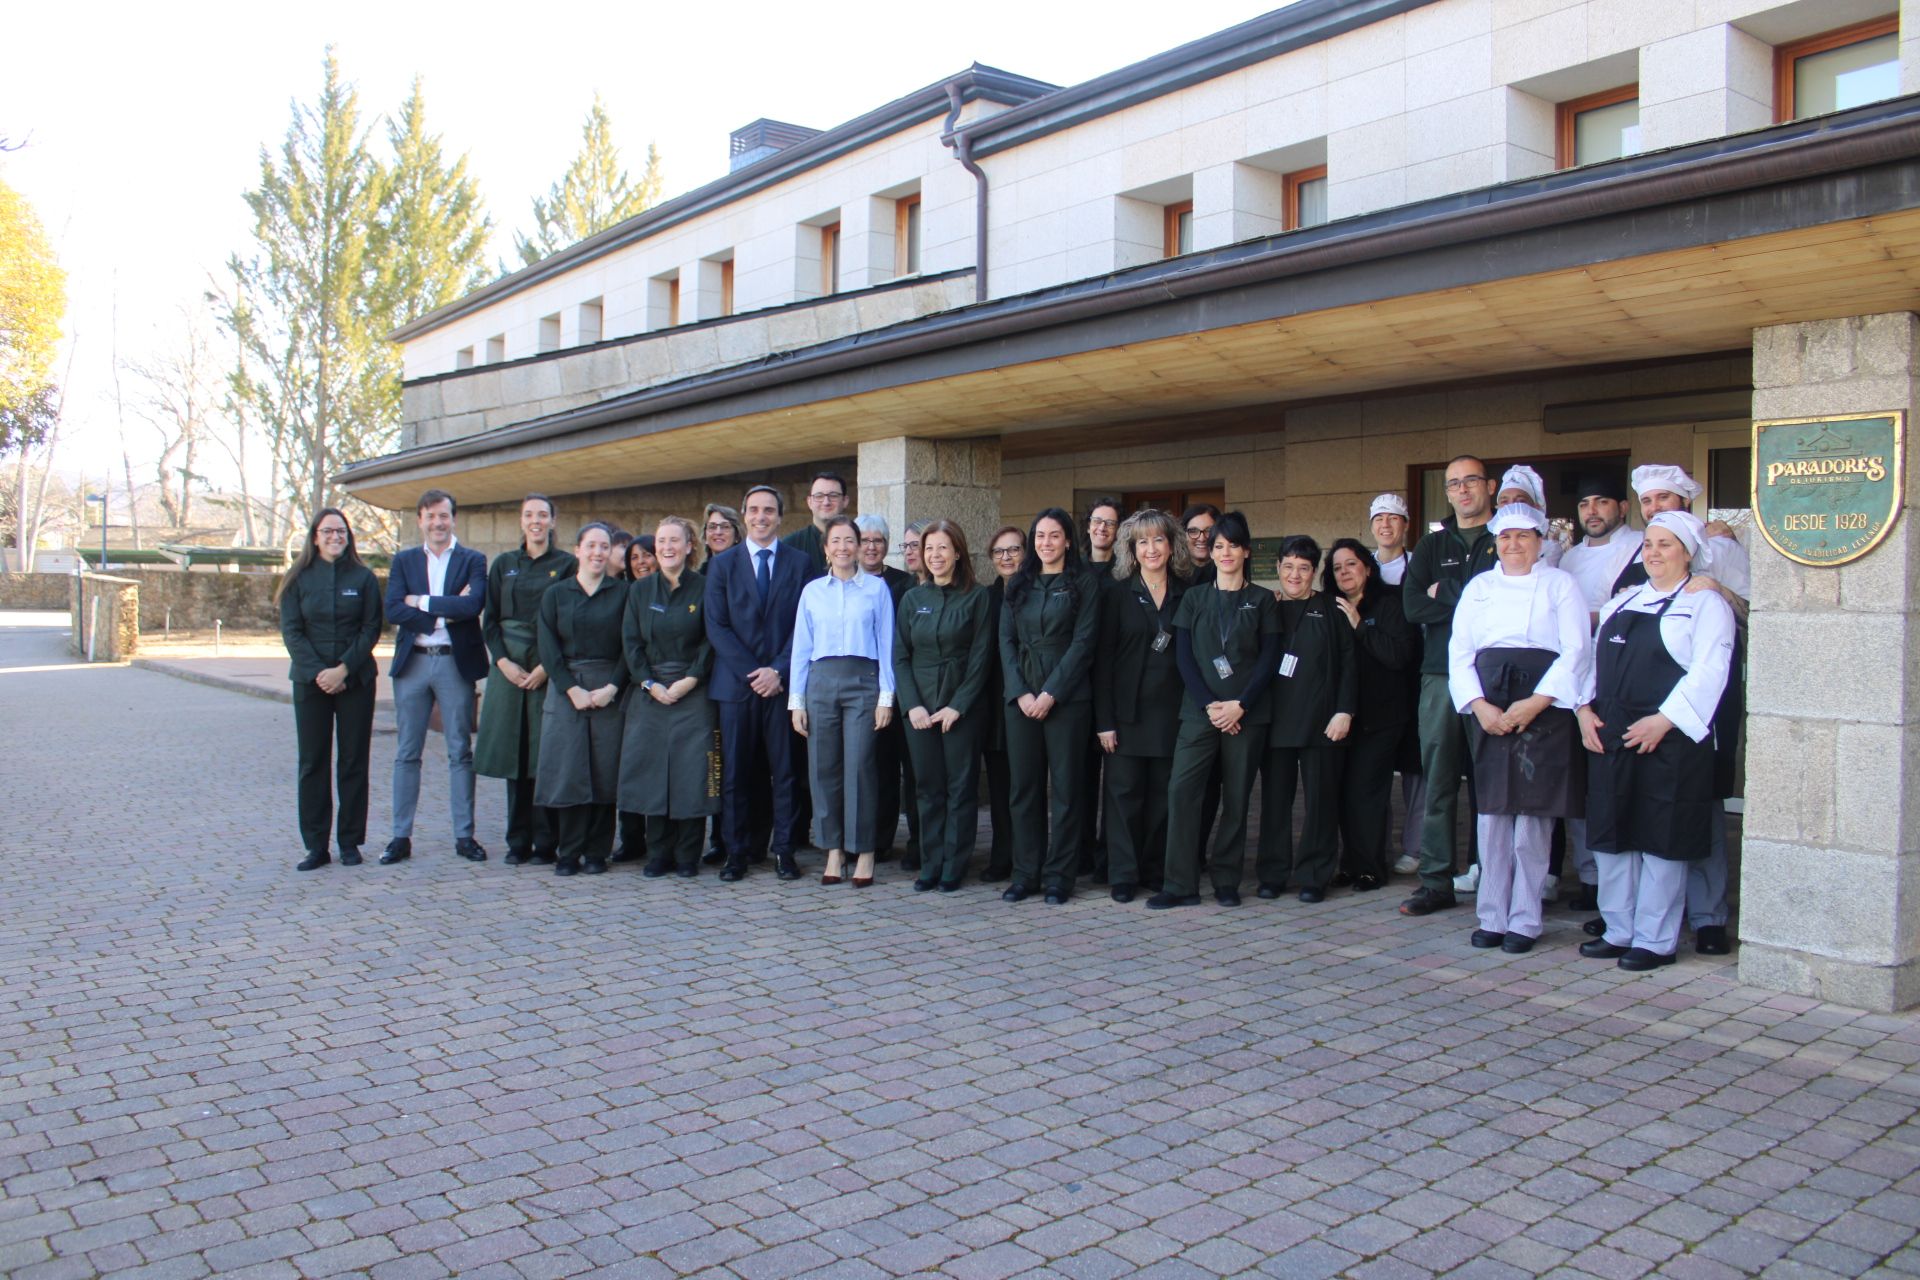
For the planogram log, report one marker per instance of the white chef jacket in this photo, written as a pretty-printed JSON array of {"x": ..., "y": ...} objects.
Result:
[
  {"x": 1596, "y": 566},
  {"x": 1698, "y": 634},
  {"x": 1543, "y": 609}
]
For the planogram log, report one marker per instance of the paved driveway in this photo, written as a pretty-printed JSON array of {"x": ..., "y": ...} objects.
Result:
[{"x": 211, "y": 1064}]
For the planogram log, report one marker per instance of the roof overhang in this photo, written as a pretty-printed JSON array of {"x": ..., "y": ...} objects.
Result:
[{"x": 1685, "y": 251}]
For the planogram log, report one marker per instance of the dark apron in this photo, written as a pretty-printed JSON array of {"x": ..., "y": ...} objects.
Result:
[
  {"x": 507, "y": 710},
  {"x": 1536, "y": 772},
  {"x": 1660, "y": 803},
  {"x": 579, "y": 750},
  {"x": 1730, "y": 715},
  {"x": 670, "y": 756}
]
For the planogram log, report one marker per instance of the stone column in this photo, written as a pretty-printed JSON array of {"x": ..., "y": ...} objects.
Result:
[
  {"x": 1704, "y": 84},
  {"x": 907, "y": 479},
  {"x": 1830, "y": 867}
]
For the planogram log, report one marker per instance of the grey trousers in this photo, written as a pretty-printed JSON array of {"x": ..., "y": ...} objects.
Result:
[
  {"x": 431, "y": 678},
  {"x": 1707, "y": 877},
  {"x": 842, "y": 760}
]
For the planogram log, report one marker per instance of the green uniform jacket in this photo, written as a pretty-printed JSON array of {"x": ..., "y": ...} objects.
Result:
[
  {"x": 1136, "y": 689},
  {"x": 515, "y": 583},
  {"x": 1325, "y": 680},
  {"x": 328, "y": 615},
  {"x": 575, "y": 626},
  {"x": 1449, "y": 556},
  {"x": 809, "y": 542},
  {"x": 1047, "y": 638},
  {"x": 1248, "y": 617},
  {"x": 667, "y": 625},
  {"x": 945, "y": 647}
]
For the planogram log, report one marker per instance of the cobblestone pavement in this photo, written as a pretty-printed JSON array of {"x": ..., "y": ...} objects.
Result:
[{"x": 211, "y": 1064}]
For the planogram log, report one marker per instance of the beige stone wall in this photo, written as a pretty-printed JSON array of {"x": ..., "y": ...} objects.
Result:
[
  {"x": 1830, "y": 870},
  {"x": 113, "y": 627},
  {"x": 36, "y": 590},
  {"x": 906, "y": 480}
]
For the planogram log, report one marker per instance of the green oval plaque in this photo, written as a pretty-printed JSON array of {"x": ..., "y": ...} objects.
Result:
[{"x": 1827, "y": 490}]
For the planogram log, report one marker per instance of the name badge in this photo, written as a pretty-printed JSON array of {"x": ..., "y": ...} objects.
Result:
[
  {"x": 1251, "y": 606},
  {"x": 1161, "y": 640},
  {"x": 658, "y": 608},
  {"x": 1289, "y": 664},
  {"x": 511, "y": 573},
  {"x": 349, "y": 591},
  {"x": 925, "y": 608},
  {"x": 1221, "y": 667}
]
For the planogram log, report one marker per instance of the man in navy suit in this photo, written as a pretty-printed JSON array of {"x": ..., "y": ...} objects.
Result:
[
  {"x": 434, "y": 596},
  {"x": 753, "y": 594}
]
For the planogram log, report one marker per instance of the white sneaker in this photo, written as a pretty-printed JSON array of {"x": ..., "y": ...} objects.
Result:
[
  {"x": 1468, "y": 883},
  {"x": 1407, "y": 865},
  {"x": 1550, "y": 888}
]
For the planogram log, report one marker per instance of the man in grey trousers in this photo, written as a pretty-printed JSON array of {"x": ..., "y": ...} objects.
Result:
[{"x": 434, "y": 596}]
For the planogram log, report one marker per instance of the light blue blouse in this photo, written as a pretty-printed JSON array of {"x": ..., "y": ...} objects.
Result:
[{"x": 843, "y": 618}]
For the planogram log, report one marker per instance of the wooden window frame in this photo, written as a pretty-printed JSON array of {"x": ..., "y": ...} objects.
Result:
[
  {"x": 829, "y": 251},
  {"x": 1170, "y": 228},
  {"x": 1566, "y": 118},
  {"x": 1787, "y": 56},
  {"x": 726, "y": 287},
  {"x": 902, "y": 213},
  {"x": 1290, "y": 185},
  {"x": 673, "y": 302}
]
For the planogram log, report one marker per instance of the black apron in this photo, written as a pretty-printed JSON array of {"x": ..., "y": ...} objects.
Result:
[
  {"x": 579, "y": 750},
  {"x": 1730, "y": 715},
  {"x": 1660, "y": 803},
  {"x": 1536, "y": 772},
  {"x": 670, "y": 755}
]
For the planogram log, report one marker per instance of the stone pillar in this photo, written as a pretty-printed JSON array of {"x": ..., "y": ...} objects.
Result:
[
  {"x": 1704, "y": 84},
  {"x": 1830, "y": 864},
  {"x": 907, "y": 479},
  {"x": 866, "y": 243}
]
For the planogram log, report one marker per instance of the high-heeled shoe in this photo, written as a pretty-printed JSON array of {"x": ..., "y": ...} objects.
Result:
[
  {"x": 828, "y": 877},
  {"x": 860, "y": 881}
]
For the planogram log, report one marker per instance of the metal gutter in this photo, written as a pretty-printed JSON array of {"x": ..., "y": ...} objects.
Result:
[
  {"x": 915, "y": 108},
  {"x": 1868, "y": 136},
  {"x": 963, "y": 152}
]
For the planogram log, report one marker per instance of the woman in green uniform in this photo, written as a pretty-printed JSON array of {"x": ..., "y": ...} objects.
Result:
[
  {"x": 580, "y": 728},
  {"x": 1047, "y": 631},
  {"x": 1226, "y": 638},
  {"x": 670, "y": 758},
  {"x": 1315, "y": 693},
  {"x": 1137, "y": 694},
  {"x": 508, "y": 744},
  {"x": 944, "y": 648},
  {"x": 1005, "y": 549},
  {"x": 330, "y": 618}
]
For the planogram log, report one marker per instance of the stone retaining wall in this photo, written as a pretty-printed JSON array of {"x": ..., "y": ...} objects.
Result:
[
  {"x": 114, "y": 629},
  {"x": 36, "y": 590}
]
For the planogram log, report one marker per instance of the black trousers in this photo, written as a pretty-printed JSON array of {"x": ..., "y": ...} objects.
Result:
[
  {"x": 946, "y": 770},
  {"x": 633, "y": 836},
  {"x": 757, "y": 740},
  {"x": 1366, "y": 801},
  {"x": 999, "y": 811},
  {"x": 1093, "y": 832},
  {"x": 530, "y": 826},
  {"x": 1136, "y": 788},
  {"x": 893, "y": 755},
  {"x": 586, "y": 832},
  {"x": 1042, "y": 752},
  {"x": 674, "y": 841},
  {"x": 334, "y": 734},
  {"x": 1200, "y": 753},
  {"x": 1314, "y": 771}
]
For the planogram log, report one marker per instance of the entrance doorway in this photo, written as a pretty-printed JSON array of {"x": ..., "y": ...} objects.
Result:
[
  {"x": 1172, "y": 501},
  {"x": 1560, "y": 475}
]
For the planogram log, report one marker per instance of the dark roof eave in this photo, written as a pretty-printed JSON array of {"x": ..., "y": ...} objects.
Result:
[
  {"x": 922, "y": 104},
  {"x": 1877, "y": 134}
]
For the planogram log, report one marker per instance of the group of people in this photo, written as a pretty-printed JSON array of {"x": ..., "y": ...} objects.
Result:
[{"x": 1121, "y": 680}]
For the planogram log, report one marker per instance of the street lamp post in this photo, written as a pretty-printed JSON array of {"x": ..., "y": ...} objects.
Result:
[{"x": 101, "y": 498}]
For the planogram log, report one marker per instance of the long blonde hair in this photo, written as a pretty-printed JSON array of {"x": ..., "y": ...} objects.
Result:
[{"x": 1179, "y": 559}]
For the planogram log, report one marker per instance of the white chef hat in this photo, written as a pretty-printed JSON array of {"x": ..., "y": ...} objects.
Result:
[
  {"x": 1527, "y": 480},
  {"x": 1660, "y": 477},
  {"x": 1684, "y": 525},
  {"x": 1389, "y": 504},
  {"x": 1518, "y": 515}
]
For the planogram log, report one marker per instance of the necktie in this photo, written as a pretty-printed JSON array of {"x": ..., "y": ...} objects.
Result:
[{"x": 763, "y": 570}]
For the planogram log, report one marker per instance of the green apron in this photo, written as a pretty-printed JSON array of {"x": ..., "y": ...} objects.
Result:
[{"x": 507, "y": 711}]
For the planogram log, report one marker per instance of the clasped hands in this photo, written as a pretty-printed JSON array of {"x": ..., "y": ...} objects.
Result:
[
  {"x": 944, "y": 719},
  {"x": 1643, "y": 735},
  {"x": 521, "y": 678},
  {"x": 582, "y": 700},
  {"x": 1514, "y": 719}
]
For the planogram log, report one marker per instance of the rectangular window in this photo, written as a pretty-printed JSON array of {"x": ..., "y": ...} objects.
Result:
[
  {"x": 590, "y": 318},
  {"x": 463, "y": 358},
  {"x": 830, "y": 259},
  {"x": 1303, "y": 195},
  {"x": 1841, "y": 69},
  {"x": 673, "y": 301},
  {"x": 726, "y": 287},
  {"x": 550, "y": 332},
  {"x": 906, "y": 236},
  {"x": 1730, "y": 479},
  {"x": 497, "y": 348},
  {"x": 1600, "y": 126},
  {"x": 1179, "y": 229}
]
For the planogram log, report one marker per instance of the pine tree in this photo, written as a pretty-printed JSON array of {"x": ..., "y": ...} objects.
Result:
[
  {"x": 595, "y": 192},
  {"x": 434, "y": 235}
]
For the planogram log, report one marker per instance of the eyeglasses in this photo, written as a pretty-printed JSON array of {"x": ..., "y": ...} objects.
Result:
[
  {"x": 1199, "y": 530},
  {"x": 1004, "y": 553},
  {"x": 327, "y": 531},
  {"x": 717, "y": 526},
  {"x": 1464, "y": 482},
  {"x": 910, "y": 544},
  {"x": 1101, "y": 522},
  {"x": 821, "y": 497},
  {"x": 873, "y": 542}
]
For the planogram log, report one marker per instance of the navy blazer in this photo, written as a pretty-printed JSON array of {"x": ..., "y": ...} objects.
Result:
[
  {"x": 408, "y": 577},
  {"x": 746, "y": 632}
]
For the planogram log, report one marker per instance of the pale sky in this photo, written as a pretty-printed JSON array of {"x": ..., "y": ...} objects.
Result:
[{"x": 144, "y": 122}]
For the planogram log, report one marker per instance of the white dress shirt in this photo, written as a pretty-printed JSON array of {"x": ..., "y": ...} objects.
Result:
[
  {"x": 1539, "y": 610},
  {"x": 843, "y": 618},
  {"x": 1596, "y": 565},
  {"x": 1698, "y": 634},
  {"x": 437, "y": 586}
]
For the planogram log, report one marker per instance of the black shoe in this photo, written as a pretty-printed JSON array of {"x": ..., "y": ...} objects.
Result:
[
  {"x": 566, "y": 867},
  {"x": 1162, "y": 901},
  {"x": 399, "y": 849},
  {"x": 996, "y": 875},
  {"x": 517, "y": 858},
  {"x": 924, "y": 886},
  {"x": 470, "y": 849},
  {"x": 1586, "y": 898},
  {"x": 594, "y": 867},
  {"x": 624, "y": 854},
  {"x": 350, "y": 856},
  {"x": 1486, "y": 940},
  {"x": 785, "y": 867},
  {"x": 1518, "y": 944},
  {"x": 545, "y": 857},
  {"x": 655, "y": 868},
  {"x": 1341, "y": 881},
  {"x": 1313, "y": 895},
  {"x": 734, "y": 871},
  {"x": 1227, "y": 897},
  {"x": 313, "y": 861},
  {"x": 1015, "y": 893},
  {"x": 1367, "y": 884},
  {"x": 1639, "y": 960},
  {"x": 714, "y": 857},
  {"x": 1425, "y": 901},
  {"x": 1271, "y": 891},
  {"x": 950, "y": 886},
  {"x": 1594, "y": 927},
  {"x": 1601, "y": 949},
  {"x": 1708, "y": 939},
  {"x": 1122, "y": 892},
  {"x": 1056, "y": 897}
]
